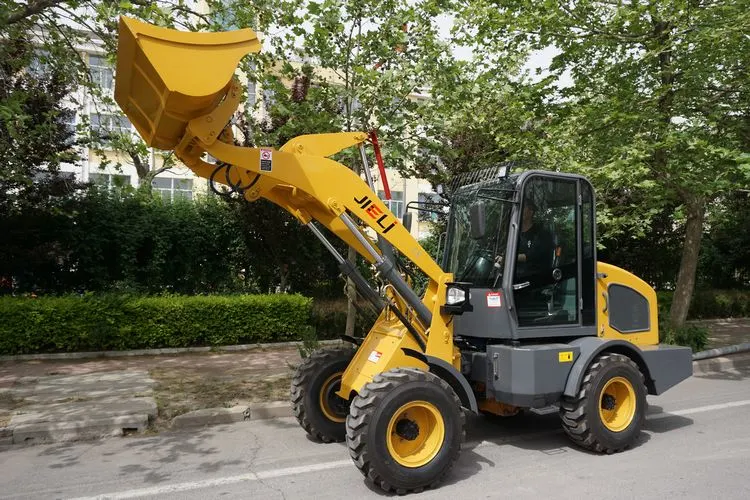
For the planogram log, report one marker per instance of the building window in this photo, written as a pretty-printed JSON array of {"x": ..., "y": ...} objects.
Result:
[
  {"x": 269, "y": 100},
  {"x": 110, "y": 181},
  {"x": 67, "y": 121},
  {"x": 39, "y": 66},
  {"x": 395, "y": 204},
  {"x": 105, "y": 124},
  {"x": 101, "y": 71},
  {"x": 171, "y": 188}
]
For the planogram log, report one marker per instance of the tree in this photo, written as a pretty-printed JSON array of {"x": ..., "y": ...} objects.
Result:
[
  {"x": 658, "y": 108},
  {"x": 367, "y": 59},
  {"x": 59, "y": 29},
  {"x": 725, "y": 257},
  {"x": 35, "y": 138}
]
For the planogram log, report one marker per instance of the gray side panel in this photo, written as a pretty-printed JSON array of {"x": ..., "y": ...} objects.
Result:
[
  {"x": 555, "y": 331},
  {"x": 474, "y": 366},
  {"x": 484, "y": 321},
  {"x": 530, "y": 376},
  {"x": 669, "y": 365},
  {"x": 590, "y": 347}
]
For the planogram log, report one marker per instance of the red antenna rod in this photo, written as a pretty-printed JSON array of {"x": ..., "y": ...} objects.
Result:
[{"x": 381, "y": 166}]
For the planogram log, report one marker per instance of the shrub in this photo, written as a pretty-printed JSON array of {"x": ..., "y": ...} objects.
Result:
[
  {"x": 117, "y": 322},
  {"x": 693, "y": 336}
]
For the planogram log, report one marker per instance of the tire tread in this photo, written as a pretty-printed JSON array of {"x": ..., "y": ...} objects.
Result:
[
  {"x": 301, "y": 381},
  {"x": 360, "y": 416},
  {"x": 575, "y": 420}
]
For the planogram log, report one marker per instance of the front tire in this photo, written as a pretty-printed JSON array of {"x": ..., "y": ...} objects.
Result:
[
  {"x": 405, "y": 430},
  {"x": 607, "y": 414},
  {"x": 313, "y": 393}
]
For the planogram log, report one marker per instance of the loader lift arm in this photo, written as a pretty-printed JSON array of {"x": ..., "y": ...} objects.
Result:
[{"x": 173, "y": 106}]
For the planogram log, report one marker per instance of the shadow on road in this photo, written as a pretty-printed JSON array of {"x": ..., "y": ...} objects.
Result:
[
  {"x": 740, "y": 372},
  {"x": 540, "y": 433},
  {"x": 660, "y": 421},
  {"x": 150, "y": 454}
]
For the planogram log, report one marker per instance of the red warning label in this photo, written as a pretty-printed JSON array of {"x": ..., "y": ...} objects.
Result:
[
  {"x": 266, "y": 160},
  {"x": 494, "y": 299}
]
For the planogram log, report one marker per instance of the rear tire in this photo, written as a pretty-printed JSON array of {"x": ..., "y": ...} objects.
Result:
[
  {"x": 405, "y": 430},
  {"x": 315, "y": 405},
  {"x": 607, "y": 414}
]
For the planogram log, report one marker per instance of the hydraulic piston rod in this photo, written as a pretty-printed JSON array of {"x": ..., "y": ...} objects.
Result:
[{"x": 386, "y": 269}]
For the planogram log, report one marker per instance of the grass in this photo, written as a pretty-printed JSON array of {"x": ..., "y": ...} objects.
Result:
[
  {"x": 179, "y": 391},
  {"x": 8, "y": 403}
]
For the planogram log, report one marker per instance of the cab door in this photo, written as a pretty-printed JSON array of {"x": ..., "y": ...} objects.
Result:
[{"x": 553, "y": 257}]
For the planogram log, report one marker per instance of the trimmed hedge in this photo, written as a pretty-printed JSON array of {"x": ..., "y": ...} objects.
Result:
[
  {"x": 101, "y": 323},
  {"x": 711, "y": 304}
]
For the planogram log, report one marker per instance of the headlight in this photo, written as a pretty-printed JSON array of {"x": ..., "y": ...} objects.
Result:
[{"x": 455, "y": 296}]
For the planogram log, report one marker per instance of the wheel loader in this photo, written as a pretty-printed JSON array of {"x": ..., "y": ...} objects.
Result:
[{"x": 518, "y": 315}]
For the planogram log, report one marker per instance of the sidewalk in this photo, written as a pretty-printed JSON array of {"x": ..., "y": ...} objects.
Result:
[
  {"x": 131, "y": 394},
  {"x": 175, "y": 390},
  {"x": 726, "y": 332}
]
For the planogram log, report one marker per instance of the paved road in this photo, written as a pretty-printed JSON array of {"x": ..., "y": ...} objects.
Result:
[{"x": 696, "y": 444}]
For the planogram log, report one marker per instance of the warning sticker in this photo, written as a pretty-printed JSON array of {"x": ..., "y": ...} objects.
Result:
[
  {"x": 266, "y": 160},
  {"x": 494, "y": 299},
  {"x": 374, "y": 356}
]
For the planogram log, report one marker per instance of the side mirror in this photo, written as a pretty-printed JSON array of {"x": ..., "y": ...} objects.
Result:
[
  {"x": 406, "y": 220},
  {"x": 477, "y": 220}
]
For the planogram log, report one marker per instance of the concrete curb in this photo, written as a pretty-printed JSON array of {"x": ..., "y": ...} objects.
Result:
[
  {"x": 217, "y": 416},
  {"x": 156, "y": 352},
  {"x": 722, "y": 351},
  {"x": 87, "y": 429}
]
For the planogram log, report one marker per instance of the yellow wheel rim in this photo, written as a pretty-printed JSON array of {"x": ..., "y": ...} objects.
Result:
[
  {"x": 617, "y": 404},
  {"x": 415, "y": 434},
  {"x": 328, "y": 391}
]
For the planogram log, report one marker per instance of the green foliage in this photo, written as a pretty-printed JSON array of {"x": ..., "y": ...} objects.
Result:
[
  {"x": 310, "y": 343},
  {"x": 278, "y": 251},
  {"x": 654, "y": 109},
  {"x": 693, "y": 336},
  {"x": 126, "y": 241},
  {"x": 118, "y": 322},
  {"x": 34, "y": 136},
  {"x": 711, "y": 304},
  {"x": 725, "y": 256},
  {"x": 329, "y": 319},
  {"x": 364, "y": 62}
]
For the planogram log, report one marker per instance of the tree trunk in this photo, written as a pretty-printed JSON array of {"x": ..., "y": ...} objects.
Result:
[
  {"x": 351, "y": 288},
  {"x": 351, "y": 294},
  {"x": 283, "y": 278},
  {"x": 683, "y": 293}
]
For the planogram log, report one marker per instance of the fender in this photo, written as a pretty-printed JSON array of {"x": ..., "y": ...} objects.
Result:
[
  {"x": 591, "y": 347},
  {"x": 447, "y": 372}
]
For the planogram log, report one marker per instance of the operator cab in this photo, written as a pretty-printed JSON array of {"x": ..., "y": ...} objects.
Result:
[{"x": 523, "y": 247}]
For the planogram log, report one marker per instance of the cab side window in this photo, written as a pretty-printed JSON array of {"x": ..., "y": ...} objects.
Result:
[{"x": 545, "y": 282}]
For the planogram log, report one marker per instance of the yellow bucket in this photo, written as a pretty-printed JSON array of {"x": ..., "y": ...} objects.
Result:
[{"x": 165, "y": 78}]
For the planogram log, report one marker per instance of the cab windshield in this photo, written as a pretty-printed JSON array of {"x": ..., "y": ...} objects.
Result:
[{"x": 480, "y": 261}]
